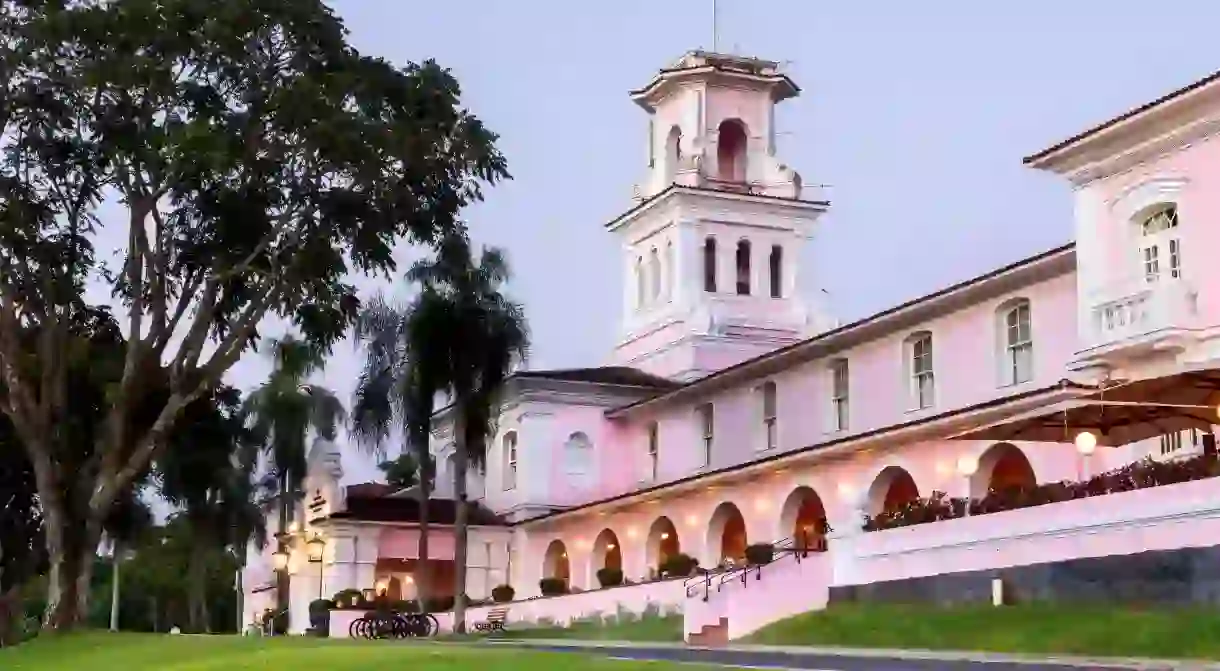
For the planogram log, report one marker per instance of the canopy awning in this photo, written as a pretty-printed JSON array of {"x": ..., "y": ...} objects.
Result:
[{"x": 1118, "y": 414}]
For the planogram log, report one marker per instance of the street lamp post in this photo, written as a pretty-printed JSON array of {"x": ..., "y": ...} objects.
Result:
[
  {"x": 317, "y": 555},
  {"x": 1086, "y": 444}
]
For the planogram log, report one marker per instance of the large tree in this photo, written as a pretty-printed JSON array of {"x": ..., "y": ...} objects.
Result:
[
  {"x": 405, "y": 367},
  {"x": 255, "y": 159},
  {"x": 486, "y": 337}
]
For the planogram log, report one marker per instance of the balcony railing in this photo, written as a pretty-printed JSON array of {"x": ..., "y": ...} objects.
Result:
[{"x": 1131, "y": 313}]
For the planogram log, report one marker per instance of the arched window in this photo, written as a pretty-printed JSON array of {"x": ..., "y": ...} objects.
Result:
[
  {"x": 670, "y": 272},
  {"x": 709, "y": 265},
  {"x": 509, "y": 454},
  {"x": 639, "y": 282},
  {"x": 731, "y": 151},
  {"x": 776, "y": 266},
  {"x": 920, "y": 369},
  {"x": 743, "y": 268},
  {"x": 1160, "y": 246},
  {"x": 578, "y": 456},
  {"x": 1016, "y": 342},
  {"x": 673, "y": 153},
  {"x": 769, "y": 425},
  {"x": 654, "y": 275}
]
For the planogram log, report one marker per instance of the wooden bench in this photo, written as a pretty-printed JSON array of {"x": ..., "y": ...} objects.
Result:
[{"x": 496, "y": 617}]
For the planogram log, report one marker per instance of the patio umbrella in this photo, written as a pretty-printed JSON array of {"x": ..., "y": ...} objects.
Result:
[
  {"x": 1112, "y": 423},
  {"x": 1198, "y": 387}
]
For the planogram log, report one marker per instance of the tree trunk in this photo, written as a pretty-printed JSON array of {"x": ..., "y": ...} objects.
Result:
[
  {"x": 71, "y": 549},
  {"x": 423, "y": 567},
  {"x": 281, "y": 577},
  {"x": 114, "y": 585},
  {"x": 459, "y": 527},
  {"x": 196, "y": 594},
  {"x": 240, "y": 596}
]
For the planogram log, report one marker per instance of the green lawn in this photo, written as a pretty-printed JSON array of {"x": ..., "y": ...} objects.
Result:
[
  {"x": 1034, "y": 628},
  {"x": 150, "y": 652}
]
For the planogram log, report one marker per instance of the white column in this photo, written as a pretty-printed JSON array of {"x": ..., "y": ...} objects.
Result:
[{"x": 842, "y": 545}]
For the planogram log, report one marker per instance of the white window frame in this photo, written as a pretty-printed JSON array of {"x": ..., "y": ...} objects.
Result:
[
  {"x": 654, "y": 450},
  {"x": 769, "y": 393},
  {"x": 707, "y": 427},
  {"x": 922, "y": 364},
  {"x": 1160, "y": 243},
  {"x": 840, "y": 394},
  {"x": 510, "y": 471},
  {"x": 1017, "y": 344}
]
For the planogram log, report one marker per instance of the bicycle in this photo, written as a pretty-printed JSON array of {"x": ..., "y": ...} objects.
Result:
[{"x": 383, "y": 625}]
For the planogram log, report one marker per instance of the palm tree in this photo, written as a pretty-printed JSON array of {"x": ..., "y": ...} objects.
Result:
[
  {"x": 281, "y": 413},
  {"x": 404, "y": 370},
  {"x": 210, "y": 475},
  {"x": 486, "y": 337}
]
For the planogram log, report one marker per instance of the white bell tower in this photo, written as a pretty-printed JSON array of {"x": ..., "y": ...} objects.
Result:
[{"x": 711, "y": 248}]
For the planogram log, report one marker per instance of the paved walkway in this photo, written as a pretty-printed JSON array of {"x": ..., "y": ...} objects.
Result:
[{"x": 853, "y": 659}]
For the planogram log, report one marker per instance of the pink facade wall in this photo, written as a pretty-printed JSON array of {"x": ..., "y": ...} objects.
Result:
[
  {"x": 776, "y": 591},
  {"x": 1158, "y": 518},
  {"x": 766, "y": 503},
  {"x": 404, "y": 544},
  {"x": 653, "y": 598},
  {"x": 966, "y": 349},
  {"x": 1113, "y": 258}
]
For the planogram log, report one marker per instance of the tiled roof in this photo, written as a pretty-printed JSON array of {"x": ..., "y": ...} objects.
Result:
[
  {"x": 617, "y": 375},
  {"x": 374, "y": 508}
]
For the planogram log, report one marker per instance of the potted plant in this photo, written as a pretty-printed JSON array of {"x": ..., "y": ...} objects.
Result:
[
  {"x": 679, "y": 565},
  {"x": 348, "y": 598},
  {"x": 553, "y": 586},
  {"x": 610, "y": 577},
  {"x": 319, "y": 617},
  {"x": 760, "y": 553},
  {"x": 503, "y": 593}
]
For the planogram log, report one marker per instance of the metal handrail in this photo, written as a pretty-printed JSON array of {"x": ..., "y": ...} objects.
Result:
[{"x": 787, "y": 546}]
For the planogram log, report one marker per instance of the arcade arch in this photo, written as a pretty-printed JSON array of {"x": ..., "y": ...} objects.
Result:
[{"x": 726, "y": 533}]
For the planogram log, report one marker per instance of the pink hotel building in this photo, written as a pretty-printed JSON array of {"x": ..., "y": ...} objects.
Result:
[{"x": 732, "y": 413}]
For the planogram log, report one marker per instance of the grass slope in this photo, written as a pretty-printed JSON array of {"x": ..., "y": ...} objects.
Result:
[
  {"x": 150, "y": 652},
  {"x": 1032, "y": 628}
]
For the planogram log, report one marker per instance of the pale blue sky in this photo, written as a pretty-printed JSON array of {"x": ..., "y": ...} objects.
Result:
[{"x": 915, "y": 114}]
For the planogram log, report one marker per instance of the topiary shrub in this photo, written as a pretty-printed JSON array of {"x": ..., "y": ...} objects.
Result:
[
  {"x": 319, "y": 616},
  {"x": 609, "y": 577},
  {"x": 553, "y": 586},
  {"x": 348, "y": 598},
  {"x": 680, "y": 565},
  {"x": 503, "y": 593},
  {"x": 760, "y": 553}
]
